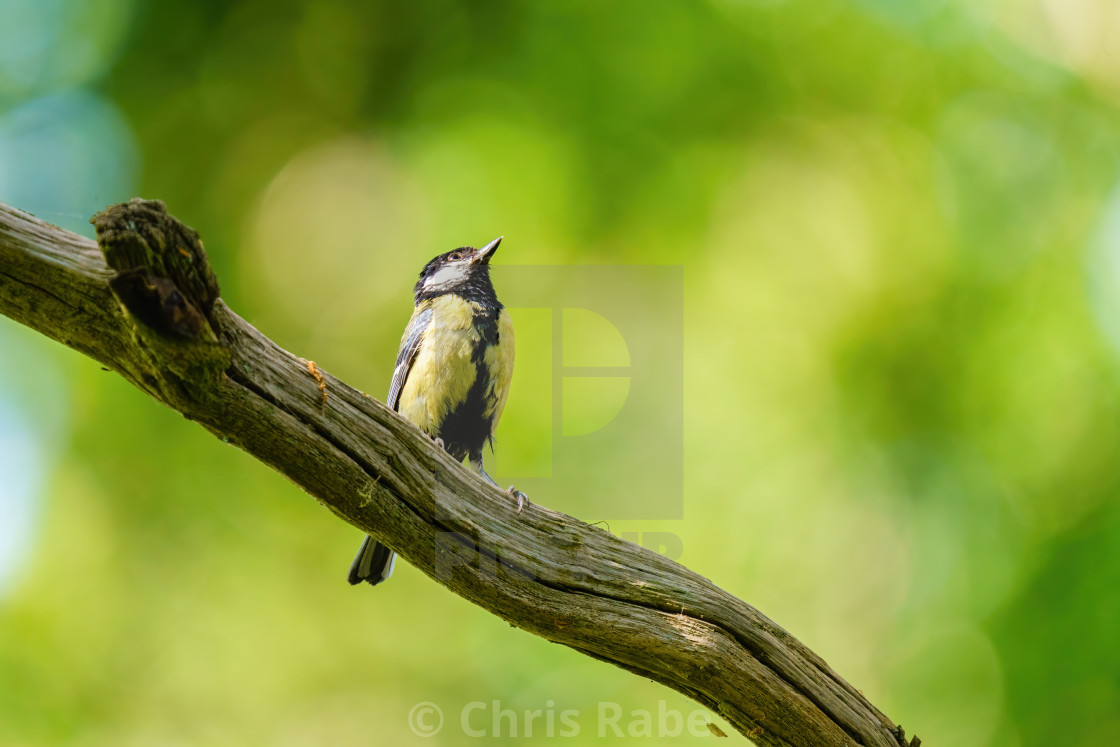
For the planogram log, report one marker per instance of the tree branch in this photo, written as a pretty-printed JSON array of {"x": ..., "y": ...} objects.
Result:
[{"x": 153, "y": 315}]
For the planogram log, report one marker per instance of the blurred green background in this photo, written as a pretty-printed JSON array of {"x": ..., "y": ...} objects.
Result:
[{"x": 900, "y": 236}]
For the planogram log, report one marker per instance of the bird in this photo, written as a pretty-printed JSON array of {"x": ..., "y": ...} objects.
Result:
[{"x": 452, "y": 374}]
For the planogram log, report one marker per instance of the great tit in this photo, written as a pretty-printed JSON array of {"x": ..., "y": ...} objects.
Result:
[{"x": 453, "y": 371}]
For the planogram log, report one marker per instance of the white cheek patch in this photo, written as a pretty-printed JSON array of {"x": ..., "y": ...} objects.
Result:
[{"x": 448, "y": 275}]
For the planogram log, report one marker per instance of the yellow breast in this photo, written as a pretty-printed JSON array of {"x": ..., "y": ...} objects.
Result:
[{"x": 443, "y": 371}]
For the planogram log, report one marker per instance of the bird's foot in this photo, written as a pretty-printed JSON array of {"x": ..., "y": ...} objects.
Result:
[
  {"x": 439, "y": 442},
  {"x": 511, "y": 491},
  {"x": 521, "y": 498}
]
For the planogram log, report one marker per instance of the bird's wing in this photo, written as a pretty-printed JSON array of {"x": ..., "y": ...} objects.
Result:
[
  {"x": 499, "y": 361},
  {"x": 410, "y": 346}
]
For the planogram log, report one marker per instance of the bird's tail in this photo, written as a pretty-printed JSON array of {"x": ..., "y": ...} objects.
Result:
[{"x": 373, "y": 564}]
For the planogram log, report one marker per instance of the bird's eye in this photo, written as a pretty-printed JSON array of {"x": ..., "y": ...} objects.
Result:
[{"x": 455, "y": 256}]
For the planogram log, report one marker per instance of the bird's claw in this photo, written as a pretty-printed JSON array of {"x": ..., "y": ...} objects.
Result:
[
  {"x": 522, "y": 499},
  {"x": 439, "y": 442}
]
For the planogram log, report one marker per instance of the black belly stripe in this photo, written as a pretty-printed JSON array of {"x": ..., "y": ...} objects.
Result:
[{"x": 466, "y": 429}]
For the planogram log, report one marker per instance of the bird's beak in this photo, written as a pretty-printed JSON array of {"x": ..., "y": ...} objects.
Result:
[{"x": 486, "y": 252}]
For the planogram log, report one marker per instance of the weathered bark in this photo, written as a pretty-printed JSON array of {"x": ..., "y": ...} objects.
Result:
[{"x": 152, "y": 314}]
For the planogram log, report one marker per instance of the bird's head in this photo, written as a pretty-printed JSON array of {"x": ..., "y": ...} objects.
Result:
[{"x": 465, "y": 270}]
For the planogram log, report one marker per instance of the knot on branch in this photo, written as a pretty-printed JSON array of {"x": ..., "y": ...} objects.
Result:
[
  {"x": 163, "y": 277},
  {"x": 900, "y": 735},
  {"x": 164, "y": 281}
]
